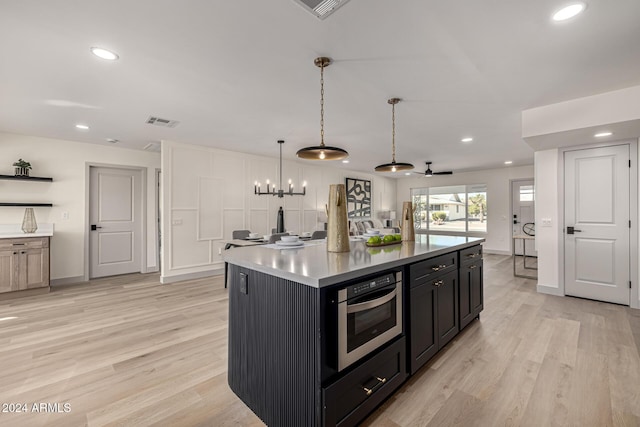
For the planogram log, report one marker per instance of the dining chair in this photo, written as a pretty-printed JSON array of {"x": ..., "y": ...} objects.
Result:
[
  {"x": 275, "y": 237},
  {"x": 318, "y": 234},
  {"x": 240, "y": 234}
]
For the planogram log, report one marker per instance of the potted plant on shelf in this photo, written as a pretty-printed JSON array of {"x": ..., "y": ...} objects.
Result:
[{"x": 22, "y": 167}]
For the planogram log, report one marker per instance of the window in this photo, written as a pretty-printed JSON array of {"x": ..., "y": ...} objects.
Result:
[
  {"x": 526, "y": 193},
  {"x": 454, "y": 209}
]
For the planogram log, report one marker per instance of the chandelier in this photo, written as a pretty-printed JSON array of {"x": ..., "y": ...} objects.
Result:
[{"x": 271, "y": 191}]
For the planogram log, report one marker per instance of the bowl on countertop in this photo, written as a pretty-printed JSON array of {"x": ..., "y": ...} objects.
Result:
[
  {"x": 254, "y": 235},
  {"x": 306, "y": 234},
  {"x": 373, "y": 231},
  {"x": 289, "y": 239}
]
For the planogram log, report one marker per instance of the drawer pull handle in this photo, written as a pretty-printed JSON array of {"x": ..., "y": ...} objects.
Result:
[
  {"x": 19, "y": 244},
  {"x": 438, "y": 283},
  {"x": 472, "y": 266},
  {"x": 23, "y": 252},
  {"x": 369, "y": 391},
  {"x": 439, "y": 267},
  {"x": 473, "y": 255}
]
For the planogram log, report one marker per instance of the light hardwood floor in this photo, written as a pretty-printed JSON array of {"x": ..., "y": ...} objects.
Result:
[{"x": 128, "y": 351}]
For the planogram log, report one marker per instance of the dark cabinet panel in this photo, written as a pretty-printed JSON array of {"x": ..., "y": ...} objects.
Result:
[
  {"x": 471, "y": 292},
  {"x": 350, "y": 399},
  {"x": 433, "y": 316},
  {"x": 447, "y": 305},
  {"x": 424, "y": 340}
]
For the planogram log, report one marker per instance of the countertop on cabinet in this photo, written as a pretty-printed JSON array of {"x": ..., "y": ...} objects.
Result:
[
  {"x": 314, "y": 266},
  {"x": 14, "y": 231}
]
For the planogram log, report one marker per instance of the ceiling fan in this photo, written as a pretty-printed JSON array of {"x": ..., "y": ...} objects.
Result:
[{"x": 429, "y": 172}]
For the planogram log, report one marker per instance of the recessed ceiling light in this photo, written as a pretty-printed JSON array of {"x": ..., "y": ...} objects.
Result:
[
  {"x": 407, "y": 173},
  {"x": 113, "y": 141},
  {"x": 82, "y": 127},
  {"x": 508, "y": 162},
  {"x": 466, "y": 139},
  {"x": 345, "y": 161},
  {"x": 569, "y": 11},
  {"x": 104, "y": 53},
  {"x": 603, "y": 134}
]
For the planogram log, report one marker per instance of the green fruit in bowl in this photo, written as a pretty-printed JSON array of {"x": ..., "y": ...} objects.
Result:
[
  {"x": 388, "y": 239},
  {"x": 374, "y": 240}
]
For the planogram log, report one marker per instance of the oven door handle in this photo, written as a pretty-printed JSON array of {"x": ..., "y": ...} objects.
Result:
[{"x": 355, "y": 308}]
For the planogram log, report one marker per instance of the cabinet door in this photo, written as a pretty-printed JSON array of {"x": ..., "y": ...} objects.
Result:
[
  {"x": 424, "y": 339},
  {"x": 447, "y": 308},
  {"x": 477, "y": 287},
  {"x": 8, "y": 271},
  {"x": 35, "y": 269},
  {"x": 466, "y": 306}
]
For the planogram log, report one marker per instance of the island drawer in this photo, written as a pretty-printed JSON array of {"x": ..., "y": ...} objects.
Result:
[
  {"x": 471, "y": 254},
  {"x": 350, "y": 399},
  {"x": 421, "y": 271}
]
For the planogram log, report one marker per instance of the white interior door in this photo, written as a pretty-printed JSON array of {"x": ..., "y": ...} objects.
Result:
[
  {"x": 524, "y": 209},
  {"x": 597, "y": 207},
  {"x": 116, "y": 214}
]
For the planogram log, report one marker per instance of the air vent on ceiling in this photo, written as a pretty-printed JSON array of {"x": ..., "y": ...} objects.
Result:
[
  {"x": 152, "y": 146},
  {"x": 321, "y": 8},
  {"x": 157, "y": 121}
]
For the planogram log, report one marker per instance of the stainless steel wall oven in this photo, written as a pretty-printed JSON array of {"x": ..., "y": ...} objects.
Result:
[{"x": 369, "y": 315}]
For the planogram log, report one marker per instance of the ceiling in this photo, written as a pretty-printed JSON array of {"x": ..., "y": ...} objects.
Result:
[{"x": 239, "y": 74}]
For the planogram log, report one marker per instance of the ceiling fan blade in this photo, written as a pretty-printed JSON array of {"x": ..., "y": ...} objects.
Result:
[{"x": 444, "y": 173}]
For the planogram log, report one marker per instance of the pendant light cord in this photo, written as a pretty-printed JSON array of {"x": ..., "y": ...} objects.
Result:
[
  {"x": 393, "y": 133},
  {"x": 322, "y": 104}
]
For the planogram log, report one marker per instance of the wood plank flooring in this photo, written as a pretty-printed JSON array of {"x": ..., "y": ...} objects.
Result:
[{"x": 127, "y": 351}]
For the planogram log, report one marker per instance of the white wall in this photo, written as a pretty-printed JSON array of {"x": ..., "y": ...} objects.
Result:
[
  {"x": 548, "y": 206},
  {"x": 498, "y": 237},
  {"x": 66, "y": 162},
  {"x": 208, "y": 193}
]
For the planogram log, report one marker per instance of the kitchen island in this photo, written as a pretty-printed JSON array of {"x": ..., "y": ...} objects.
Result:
[{"x": 286, "y": 322}]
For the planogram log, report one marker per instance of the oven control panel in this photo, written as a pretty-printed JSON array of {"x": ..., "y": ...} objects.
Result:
[{"x": 370, "y": 285}]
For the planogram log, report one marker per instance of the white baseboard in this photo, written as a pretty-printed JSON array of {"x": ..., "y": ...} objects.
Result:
[
  {"x": 152, "y": 269},
  {"x": 191, "y": 276},
  {"x": 549, "y": 290},
  {"x": 496, "y": 252},
  {"x": 66, "y": 280}
]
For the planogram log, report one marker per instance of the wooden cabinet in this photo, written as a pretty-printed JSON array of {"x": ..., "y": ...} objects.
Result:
[
  {"x": 471, "y": 285},
  {"x": 24, "y": 264},
  {"x": 433, "y": 316}
]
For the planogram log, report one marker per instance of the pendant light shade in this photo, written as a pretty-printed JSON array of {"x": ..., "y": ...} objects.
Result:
[
  {"x": 322, "y": 152},
  {"x": 393, "y": 166}
]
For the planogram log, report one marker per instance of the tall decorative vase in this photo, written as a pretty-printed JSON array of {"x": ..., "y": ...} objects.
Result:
[
  {"x": 408, "y": 232},
  {"x": 29, "y": 224},
  {"x": 280, "y": 223},
  {"x": 337, "y": 223}
]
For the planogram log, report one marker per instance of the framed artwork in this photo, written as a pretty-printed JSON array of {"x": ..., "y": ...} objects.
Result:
[{"x": 358, "y": 198}]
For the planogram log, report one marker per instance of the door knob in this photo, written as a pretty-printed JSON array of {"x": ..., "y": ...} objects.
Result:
[
  {"x": 571, "y": 230},
  {"x": 94, "y": 227}
]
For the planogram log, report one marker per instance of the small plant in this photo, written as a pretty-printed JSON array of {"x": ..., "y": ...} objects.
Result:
[
  {"x": 22, "y": 167},
  {"x": 22, "y": 164}
]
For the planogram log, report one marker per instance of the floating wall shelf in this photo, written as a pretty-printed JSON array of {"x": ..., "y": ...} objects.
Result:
[
  {"x": 25, "y": 178},
  {"x": 29, "y": 205}
]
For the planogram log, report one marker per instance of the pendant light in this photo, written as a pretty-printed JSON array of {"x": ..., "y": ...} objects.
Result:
[
  {"x": 322, "y": 152},
  {"x": 393, "y": 166}
]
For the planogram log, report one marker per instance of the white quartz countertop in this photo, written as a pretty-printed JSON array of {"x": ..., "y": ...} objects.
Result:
[
  {"x": 14, "y": 231},
  {"x": 314, "y": 266}
]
